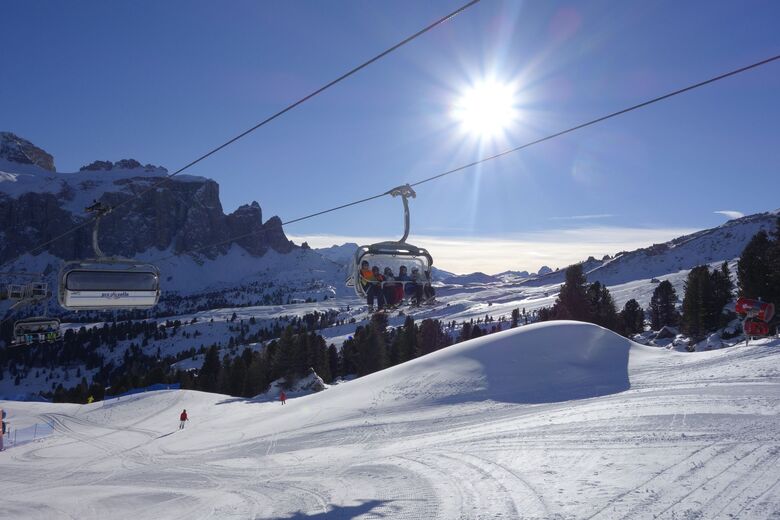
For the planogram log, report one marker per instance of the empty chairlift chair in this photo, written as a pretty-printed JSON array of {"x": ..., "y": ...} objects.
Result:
[{"x": 108, "y": 283}]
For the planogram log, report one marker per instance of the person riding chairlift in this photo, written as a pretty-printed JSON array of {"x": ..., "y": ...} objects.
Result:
[
  {"x": 409, "y": 288},
  {"x": 370, "y": 281},
  {"x": 422, "y": 289},
  {"x": 390, "y": 290}
]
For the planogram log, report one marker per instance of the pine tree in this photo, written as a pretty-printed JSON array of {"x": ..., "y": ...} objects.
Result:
[
  {"x": 662, "y": 306},
  {"x": 408, "y": 348},
  {"x": 572, "y": 302},
  {"x": 632, "y": 318},
  {"x": 753, "y": 268},
  {"x": 431, "y": 336},
  {"x": 723, "y": 292},
  {"x": 333, "y": 361},
  {"x": 601, "y": 306},
  {"x": 209, "y": 372},
  {"x": 698, "y": 316},
  {"x": 774, "y": 267}
]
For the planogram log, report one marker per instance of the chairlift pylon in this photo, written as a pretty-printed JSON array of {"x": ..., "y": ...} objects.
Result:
[
  {"x": 105, "y": 283},
  {"x": 393, "y": 254}
]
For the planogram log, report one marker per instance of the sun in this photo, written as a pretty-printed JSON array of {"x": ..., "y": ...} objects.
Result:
[{"x": 487, "y": 109}]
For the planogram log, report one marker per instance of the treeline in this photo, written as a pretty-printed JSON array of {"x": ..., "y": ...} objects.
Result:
[
  {"x": 86, "y": 351},
  {"x": 578, "y": 300},
  {"x": 292, "y": 356},
  {"x": 707, "y": 292}
]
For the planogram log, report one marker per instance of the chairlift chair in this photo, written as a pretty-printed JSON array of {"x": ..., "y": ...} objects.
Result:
[
  {"x": 106, "y": 283},
  {"x": 37, "y": 329},
  {"x": 391, "y": 254}
]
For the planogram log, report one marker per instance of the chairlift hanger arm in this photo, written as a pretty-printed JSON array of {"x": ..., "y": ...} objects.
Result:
[
  {"x": 404, "y": 191},
  {"x": 100, "y": 209}
]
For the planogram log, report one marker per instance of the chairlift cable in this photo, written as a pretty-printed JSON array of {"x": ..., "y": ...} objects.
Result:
[
  {"x": 602, "y": 118},
  {"x": 496, "y": 156},
  {"x": 267, "y": 120}
]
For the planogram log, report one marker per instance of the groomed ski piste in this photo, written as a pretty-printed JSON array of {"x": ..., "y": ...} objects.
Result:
[{"x": 553, "y": 420}]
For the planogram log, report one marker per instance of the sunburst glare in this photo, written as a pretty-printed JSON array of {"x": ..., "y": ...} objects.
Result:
[{"x": 487, "y": 109}]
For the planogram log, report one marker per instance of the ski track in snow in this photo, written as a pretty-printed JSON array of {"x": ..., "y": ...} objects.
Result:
[{"x": 697, "y": 436}]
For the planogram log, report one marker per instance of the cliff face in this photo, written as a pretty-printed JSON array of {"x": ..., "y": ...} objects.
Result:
[
  {"x": 182, "y": 215},
  {"x": 22, "y": 151}
]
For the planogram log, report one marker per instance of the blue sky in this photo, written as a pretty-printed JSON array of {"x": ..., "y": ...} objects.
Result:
[{"x": 163, "y": 82}]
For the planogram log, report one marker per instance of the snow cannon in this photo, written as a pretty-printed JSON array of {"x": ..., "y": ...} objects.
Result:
[
  {"x": 755, "y": 328},
  {"x": 763, "y": 311}
]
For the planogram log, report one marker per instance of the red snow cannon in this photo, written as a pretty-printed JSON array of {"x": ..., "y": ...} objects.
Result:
[
  {"x": 755, "y": 328},
  {"x": 764, "y": 311}
]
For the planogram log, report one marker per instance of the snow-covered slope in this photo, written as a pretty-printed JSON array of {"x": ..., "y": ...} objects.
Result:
[
  {"x": 342, "y": 255},
  {"x": 724, "y": 242},
  {"x": 77, "y": 189},
  {"x": 477, "y": 277},
  {"x": 618, "y": 431}
]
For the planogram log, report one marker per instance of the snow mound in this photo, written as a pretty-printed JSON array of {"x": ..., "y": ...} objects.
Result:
[
  {"x": 540, "y": 363},
  {"x": 306, "y": 385}
]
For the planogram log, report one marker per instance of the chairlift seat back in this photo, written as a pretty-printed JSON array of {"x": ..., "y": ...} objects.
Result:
[{"x": 108, "y": 285}]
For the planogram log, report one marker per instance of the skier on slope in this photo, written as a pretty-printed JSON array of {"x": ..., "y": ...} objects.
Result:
[
  {"x": 282, "y": 396},
  {"x": 183, "y": 419}
]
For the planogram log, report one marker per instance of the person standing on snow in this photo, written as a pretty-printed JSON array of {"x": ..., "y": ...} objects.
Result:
[
  {"x": 282, "y": 396},
  {"x": 183, "y": 419}
]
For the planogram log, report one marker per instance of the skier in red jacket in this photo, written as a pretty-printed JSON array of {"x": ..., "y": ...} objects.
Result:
[
  {"x": 282, "y": 396},
  {"x": 183, "y": 419}
]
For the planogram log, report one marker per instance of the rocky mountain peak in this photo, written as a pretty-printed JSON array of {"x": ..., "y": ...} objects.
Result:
[
  {"x": 544, "y": 270},
  {"x": 19, "y": 150},
  {"x": 122, "y": 164}
]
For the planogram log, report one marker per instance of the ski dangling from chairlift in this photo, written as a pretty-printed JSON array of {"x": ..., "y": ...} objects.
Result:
[
  {"x": 410, "y": 265},
  {"x": 107, "y": 283}
]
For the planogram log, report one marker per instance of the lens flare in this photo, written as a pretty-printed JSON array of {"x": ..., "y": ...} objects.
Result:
[{"x": 487, "y": 109}]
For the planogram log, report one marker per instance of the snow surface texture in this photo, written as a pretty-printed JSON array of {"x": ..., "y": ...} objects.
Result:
[{"x": 555, "y": 420}]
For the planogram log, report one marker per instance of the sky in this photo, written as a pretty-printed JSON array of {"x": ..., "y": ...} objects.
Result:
[{"x": 164, "y": 82}]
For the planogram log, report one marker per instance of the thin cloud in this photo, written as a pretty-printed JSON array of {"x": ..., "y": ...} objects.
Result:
[
  {"x": 584, "y": 217},
  {"x": 730, "y": 213},
  {"x": 521, "y": 251}
]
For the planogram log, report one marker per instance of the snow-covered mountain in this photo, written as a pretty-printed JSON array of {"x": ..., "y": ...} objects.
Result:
[
  {"x": 477, "y": 277},
  {"x": 180, "y": 215},
  {"x": 514, "y": 276},
  {"x": 718, "y": 244}
]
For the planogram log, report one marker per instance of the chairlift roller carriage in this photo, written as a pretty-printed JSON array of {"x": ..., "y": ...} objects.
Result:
[
  {"x": 391, "y": 254},
  {"x": 106, "y": 283}
]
